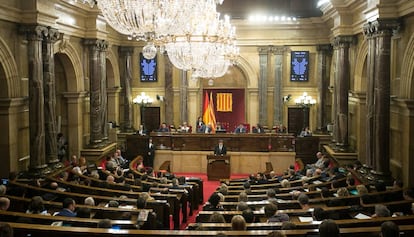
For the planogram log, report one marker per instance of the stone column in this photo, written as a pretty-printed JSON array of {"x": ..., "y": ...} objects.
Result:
[
  {"x": 169, "y": 93},
  {"x": 379, "y": 34},
  {"x": 184, "y": 96},
  {"x": 370, "y": 96},
  {"x": 97, "y": 94},
  {"x": 49, "y": 86},
  {"x": 104, "y": 96},
  {"x": 35, "y": 35},
  {"x": 278, "y": 81},
  {"x": 323, "y": 82},
  {"x": 342, "y": 44},
  {"x": 126, "y": 65},
  {"x": 263, "y": 61}
]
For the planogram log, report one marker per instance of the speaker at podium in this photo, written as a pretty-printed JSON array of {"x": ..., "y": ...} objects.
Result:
[{"x": 218, "y": 167}]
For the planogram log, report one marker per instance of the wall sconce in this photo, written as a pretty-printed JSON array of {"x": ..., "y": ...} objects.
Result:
[
  {"x": 160, "y": 98},
  {"x": 286, "y": 98}
]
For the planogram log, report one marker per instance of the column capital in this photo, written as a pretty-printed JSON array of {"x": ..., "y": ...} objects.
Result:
[
  {"x": 382, "y": 27},
  {"x": 34, "y": 32},
  {"x": 97, "y": 44},
  {"x": 324, "y": 47},
  {"x": 52, "y": 35},
  {"x": 344, "y": 40},
  {"x": 278, "y": 50},
  {"x": 265, "y": 49}
]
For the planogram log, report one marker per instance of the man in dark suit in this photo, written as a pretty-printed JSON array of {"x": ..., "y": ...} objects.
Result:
[
  {"x": 240, "y": 129},
  {"x": 206, "y": 129},
  {"x": 258, "y": 129},
  {"x": 149, "y": 154},
  {"x": 220, "y": 149},
  {"x": 163, "y": 128},
  {"x": 141, "y": 131},
  {"x": 68, "y": 210}
]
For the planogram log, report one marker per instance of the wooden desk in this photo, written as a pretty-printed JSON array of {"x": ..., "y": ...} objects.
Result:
[{"x": 218, "y": 167}]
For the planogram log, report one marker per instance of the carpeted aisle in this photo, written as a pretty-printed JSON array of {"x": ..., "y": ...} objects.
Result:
[{"x": 209, "y": 188}]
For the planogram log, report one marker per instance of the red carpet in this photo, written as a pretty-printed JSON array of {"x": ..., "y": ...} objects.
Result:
[{"x": 209, "y": 188}]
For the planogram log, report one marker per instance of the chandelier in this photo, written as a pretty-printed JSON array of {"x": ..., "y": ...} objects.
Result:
[
  {"x": 190, "y": 31},
  {"x": 143, "y": 99},
  {"x": 208, "y": 49},
  {"x": 305, "y": 100}
]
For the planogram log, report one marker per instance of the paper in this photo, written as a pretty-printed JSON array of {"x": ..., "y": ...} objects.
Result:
[
  {"x": 143, "y": 215},
  {"x": 362, "y": 216},
  {"x": 305, "y": 219}
]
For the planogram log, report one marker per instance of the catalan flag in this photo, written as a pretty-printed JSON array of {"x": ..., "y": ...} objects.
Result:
[
  {"x": 224, "y": 102},
  {"x": 209, "y": 116}
]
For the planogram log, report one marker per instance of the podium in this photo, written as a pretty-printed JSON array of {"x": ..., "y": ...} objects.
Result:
[{"x": 218, "y": 167}]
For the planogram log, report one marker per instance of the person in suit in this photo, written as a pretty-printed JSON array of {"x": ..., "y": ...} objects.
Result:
[
  {"x": 149, "y": 154},
  {"x": 185, "y": 128},
  {"x": 258, "y": 129},
  {"x": 68, "y": 210},
  {"x": 240, "y": 129},
  {"x": 306, "y": 132},
  {"x": 200, "y": 126},
  {"x": 163, "y": 128},
  {"x": 206, "y": 129},
  {"x": 141, "y": 131},
  {"x": 220, "y": 149}
]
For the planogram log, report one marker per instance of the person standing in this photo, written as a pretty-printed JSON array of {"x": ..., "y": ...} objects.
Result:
[
  {"x": 220, "y": 149},
  {"x": 149, "y": 154}
]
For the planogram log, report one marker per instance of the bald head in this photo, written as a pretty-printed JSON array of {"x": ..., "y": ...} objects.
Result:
[{"x": 4, "y": 203}]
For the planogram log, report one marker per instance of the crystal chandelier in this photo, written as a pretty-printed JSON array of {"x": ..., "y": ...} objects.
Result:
[
  {"x": 207, "y": 49},
  {"x": 190, "y": 31}
]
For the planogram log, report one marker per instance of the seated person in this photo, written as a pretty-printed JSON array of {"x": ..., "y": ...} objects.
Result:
[
  {"x": 238, "y": 223},
  {"x": 141, "y": 131},
  {"x": 184, "y": 128},
  {"x": 219, "y": 128},
  {"x": 163, "y": 128},
  {"x": 68, "y": 210},
  {"x": 147, "y": 220},
  {"x": 213, "y": 203},
  {"x": 258, "y": 129},
  {"x": 328, "y": 228},
  {"x": 200, "y": 125},
  {"x": 272, "y": 215},
  {"x": 306, "y": 132},
  {"x": 206, "y": 129},
  {"x": 4, "y": 203},
  {"x": 36, "y": 206},
  {"x": 240, "y": 129},
  {"x": 381, "y": 211},
  {"x": 390, "y": 229}
]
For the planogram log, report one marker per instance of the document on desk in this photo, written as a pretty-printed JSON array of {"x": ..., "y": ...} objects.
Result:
[
  {"x": 305, "y": 219},
  {"x": 362, "y": 216}
]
